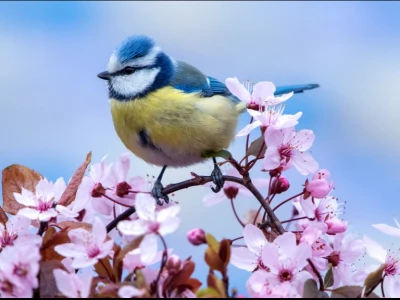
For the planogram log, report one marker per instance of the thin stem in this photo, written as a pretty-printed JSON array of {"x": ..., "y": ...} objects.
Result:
[
  {"x": 257, "y": 214},
  {"x": 138, "y": 192},
  {"x": 42, "y": 228},
  {"x": 247, "y": 144},
  {"x": 115, "y": 201},
  {"x": 163, "y": 263},
  {"x": 104, "y": 266},
  {"x": 295, "y": 219},
  {"x": 236, "y": 215},
  {"x": 287, "y": 200},
  {"x": 272, "y": 198},
  {"x": 382, "y": 290},
  {"x": 321, "y": 282},
  {"x": 238, "y": 238},
  {"x": 257, "y": 157}
]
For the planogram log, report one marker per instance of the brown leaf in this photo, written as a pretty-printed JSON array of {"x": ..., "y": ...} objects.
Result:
[
  {"x": 193, "y": 284},
  {"x": 183, "y": 275},
  {"x": 225, "y": 251},
  {"x": 349, "y": 292},
  {"x": 217, "y": 284},
  {"x": 14, "y": 178},
  {"x": 255, "y": 147},
  {"x": 48, "y": 234},
  {"x": 47, "y": 249},
  {"x": 213, "y": 261},
  {"x": 120, "y": 254},
  {"x": 73, "y": 225},
  {"x": 70, "y": 192},
  {"x": 48, "y": 287},
  {"x": 3, "y": 217},
  {"x": 104, "y": 269},
  {"x": 374, "y": 278}
]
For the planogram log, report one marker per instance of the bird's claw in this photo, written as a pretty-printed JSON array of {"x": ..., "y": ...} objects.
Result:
[
  {"x": 156, "y": 192},
  {"x": 218, "y": 179}
]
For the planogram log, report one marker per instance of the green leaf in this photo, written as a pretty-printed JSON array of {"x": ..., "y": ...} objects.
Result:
[
  {"x": 222, "y": 153},
  {"x": 328, "y": 280},
  {"x": 310, "y": 289},
  {"x": 349, "y": 292},
  {"x": 207, "y": 293},
  {"x": 255, "y": 147}
]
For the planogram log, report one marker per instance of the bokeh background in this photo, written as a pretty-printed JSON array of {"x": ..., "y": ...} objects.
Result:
[{"x": 54, "y": 110}]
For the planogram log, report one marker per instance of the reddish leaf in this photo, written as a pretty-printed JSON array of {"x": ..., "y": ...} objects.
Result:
[
  {"x": 58, "y": 238},
  {"x": 213, "y": 260},
  {"x": 3, "y": 217},
  {"x": 72, "y": 225},
  {"x": 183, "y": 275},
  {"x": 217, "y": 284},
  {"x": 103, "y": 268},
  {"x": 48, "y": 287},
  {"x": 70, "y": 192},
  {"x": 224, "y": 252},
  {"x": 14, "y": 178}
]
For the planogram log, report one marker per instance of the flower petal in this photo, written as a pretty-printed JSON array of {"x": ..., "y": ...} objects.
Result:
[
  {"x": 128, "y": 291},
  {"x": 261, "y": 91},
  {"x": 26, "y": 198},
  {"x": 136, "y": 227},
  {"x": 237, "y": 89},
  {"x": 30, "y": 213},
  {"x": 246, "y": 130},
  {"x": 99, "y": 232},
  {"x": 393, "y": 231},
  {"x": 244, "y": 259},
  {"x": 168, "y": 212},
  {"x": 212, "y": 199},
  {"x": 169, "y": 225},
  {"x": 47, "y": 215},
  {"x": 83, "y": 262},
  {"x": 304, "y": 163},
  {"x": 254, "y": 238},
  {"x": 375, "y": 250},
  {"x": 145, "y": 207},
  {"x": 70, "y": 250},
  {"x": 65, "y": 284},
  {"x": 148, "y": 248},
  {"x": 272, "y": 159},
  {"x": 303, "y": 140},
  {"x": 270, "y": 257}
]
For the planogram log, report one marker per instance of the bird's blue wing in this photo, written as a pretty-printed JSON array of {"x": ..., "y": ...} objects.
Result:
[{"x": 299, "y": 88}]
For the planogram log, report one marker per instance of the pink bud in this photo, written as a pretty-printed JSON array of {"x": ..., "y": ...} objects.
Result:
[
  {"x": 319, "y": 187},
  {"x": 231, "y": 192},
  {"x": 335, "y": 226},
  {"x": 279, "y": 185},
  {"x": 196, "y": 236}
]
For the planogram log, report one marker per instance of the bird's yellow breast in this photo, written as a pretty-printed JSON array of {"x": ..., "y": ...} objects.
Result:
[{"x": 182, "y": 126}]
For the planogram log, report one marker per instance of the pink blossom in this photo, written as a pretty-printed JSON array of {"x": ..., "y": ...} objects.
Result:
[
  {"x": 132, "y": 260},
  {"x": 262, "y": 93},
  {"x": 376, "y": 251},
  {"x": 285, "y": 261},
  {"x": 272, "y": 117},
  {"x": 279, "y": 185},
  {"x": 285, "y": 147},
  {"x": 249, "y": 258},
  {"x": 150, "y": 223},
  {"x": 86, "y": 247},
  {"x": 128, "y": 291},
  {"x": 393, "y": 231},
  {"x": 196, "y": 236},
  {"x": 231, "y": 189},
  {"x": 346, "y": 250},
  {"x": 17, "y": 232},
  {"x": 335, "y": 225},
  {"x": 319, "y": 187},
  {"x": 74, "y": 285},
  {"x": 19, "y": 266},
  {"x": 391, "y": 287},
  {"x": 266, "y": 289},
  {"x": 39, "y": 205}
]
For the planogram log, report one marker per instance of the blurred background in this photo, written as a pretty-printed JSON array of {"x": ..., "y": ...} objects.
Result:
[{"x": 54, "y": 110}]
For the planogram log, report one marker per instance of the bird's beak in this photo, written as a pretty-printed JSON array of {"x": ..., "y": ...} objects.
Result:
[{"x": 104, "y": 75}]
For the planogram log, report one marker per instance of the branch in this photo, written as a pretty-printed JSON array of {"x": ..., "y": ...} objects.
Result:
[{"x": 126, "y": 214}]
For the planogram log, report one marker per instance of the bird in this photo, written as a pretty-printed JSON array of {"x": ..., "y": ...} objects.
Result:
[{"x": 167, "y": 112}]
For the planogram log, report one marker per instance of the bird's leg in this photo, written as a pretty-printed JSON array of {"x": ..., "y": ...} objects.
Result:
[
  {"x": 217, "y": 177},
  {"x": 157, "y": 189}
]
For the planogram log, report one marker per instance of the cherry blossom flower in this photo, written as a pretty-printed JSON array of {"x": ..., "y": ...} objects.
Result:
[
  {"x": 249, "y": 258},
  {"x": 391, "y": 287},
  {"x": 150, "y": 223},
  {"x": 346, "y": 250},
  {"x": 262, "y": 93},
  {"x": 128, "y": 291},
  {"x": 376, "y": 251},
  {"x": 132, "y": 260},
  {"x": 271, "y": 117},
  {"x": 74, "y": 285},
  {"x": 266, "y": 289},
  {"x": 393, "y": 231},
  {"x": 285, "y": 261},
  {"x": 196, "y": 236},
  {"x": 19, "y": 266},
  {"x": 231, "y": 189},
  {"x": 319, "y": 187},
  {"x": 86, "y": 247},
  {"x": 39, "y": 205},
  {"x": 17, "y": 232},
  {"x": 285, "y": 147}
]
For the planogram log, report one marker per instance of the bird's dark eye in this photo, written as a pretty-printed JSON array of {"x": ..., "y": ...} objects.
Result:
[{"x": 128, "y": 70}]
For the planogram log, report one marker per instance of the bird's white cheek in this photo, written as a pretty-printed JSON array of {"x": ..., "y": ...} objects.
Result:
[{"x": 136, "y": 83}]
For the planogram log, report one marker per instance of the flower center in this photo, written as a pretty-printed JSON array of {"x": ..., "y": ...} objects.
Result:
[
  {"x": 231, "y": 192},
  {"x": 154, "y": 226},
  {"x": 285, "y": 275},
  {"x": 285, "y": 152},
  {"x": 44, "y": 205},
  {"x": 334, "y": 258},
  {"x": 262, "y": 266},
  {"x": 7, "y": 239},
  {"x": 6, "y": 287},
  {"x": 392, "y": 266},
  {"x": 93, "y": 251},
  {"x": 21, "y": 270}
]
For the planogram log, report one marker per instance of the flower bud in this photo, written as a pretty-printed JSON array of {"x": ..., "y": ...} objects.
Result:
[
  {"x": 122, "y": 189},
  {"x": 335, "y": 226},
  {"x": 319, "y": 187},
  {"x": 98, "y": 191},
  {"x": 231, "y": 192},
  {"x": 334, "y": 258},
  {"x": 196, "y": 236},
  {"x": 279, "y": 185},
  {"x": 174, "y": 263}
]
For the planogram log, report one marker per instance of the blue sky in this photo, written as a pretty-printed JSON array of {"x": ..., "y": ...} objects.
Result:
[{"x": 54, "y": 110}]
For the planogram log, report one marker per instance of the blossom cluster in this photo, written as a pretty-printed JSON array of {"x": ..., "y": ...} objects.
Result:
[{"x": 102, "y": 234}]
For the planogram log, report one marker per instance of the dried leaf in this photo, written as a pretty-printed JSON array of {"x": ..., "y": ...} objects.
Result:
[
  {"x": 104, "y": 269},
  {"x": 72, "y": 225},
  {"x": 3, "y": 217},
  {"x": 213, "y": 260},
  {"x": 183, "y": 275},
  {"x": 212, "y": 242},
  {"x": 349, "y": 292},
  {"x": 328, "y": 280},
  {"x": 217, "y": 284},
  {"x": 255, "y": 147},
  {"x": 14, "y": 178},
  {"x": 225, "y": 251},
  {"x": 207, "y": 293},
  {"x": 48, "y": 234},
  {"x": 374, "y": 278},
  {"x": 47, "y": 250},
  {"x": 48, "y": 287},
  {"x": 193, "y": 284},
  {"x": 121, "y": 253},
  {"x": 70, "y": 192}
]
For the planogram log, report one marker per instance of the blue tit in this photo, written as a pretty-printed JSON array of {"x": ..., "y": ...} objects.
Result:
[{"x": 167, "y": 112}]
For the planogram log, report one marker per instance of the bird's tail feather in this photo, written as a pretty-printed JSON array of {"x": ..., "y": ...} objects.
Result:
[{"x": 299, "y": 88}]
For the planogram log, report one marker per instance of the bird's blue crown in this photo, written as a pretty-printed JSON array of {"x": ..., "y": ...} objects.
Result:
[{"x": 133, "y": 47}]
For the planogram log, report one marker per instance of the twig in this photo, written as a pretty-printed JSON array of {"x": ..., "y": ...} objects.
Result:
[
  {"x": 287, "y": 200},
  {"x": 235, "y": 213},
  {"x": 321, "y": 282},
  {"x": 163, "y": 263},
  {"x": 126, "y": 214}
]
